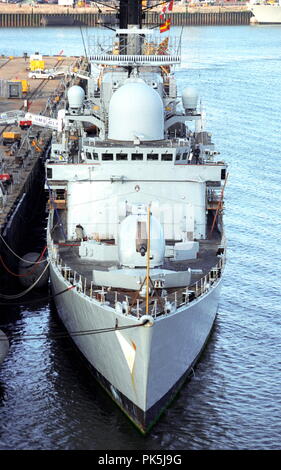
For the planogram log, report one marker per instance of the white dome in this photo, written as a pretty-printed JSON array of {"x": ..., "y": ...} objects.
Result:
[
  {"x": 75, "y": 96},
  {"x": 136, "y": 110},
  {"x": 190, "y": 98},
  {"x": 133, "y": 235}
]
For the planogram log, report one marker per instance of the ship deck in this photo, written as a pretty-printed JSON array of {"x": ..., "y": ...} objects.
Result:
[
  {"x": 80, "y": 271},
  {"x": 205, "y": 260}
]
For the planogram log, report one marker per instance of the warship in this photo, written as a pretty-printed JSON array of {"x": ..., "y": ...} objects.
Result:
[{"x": 136, "y": 245}]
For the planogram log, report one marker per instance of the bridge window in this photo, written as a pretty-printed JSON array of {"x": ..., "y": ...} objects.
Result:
[
  {"x": 107, "y": 156},
  {"x": 152, "y": 156},
  {"x": 167, "y": 157},
  {"x": 92, "y": 156},
  {"x": 121, "y": 156},
  {"x": 137, "y": 156}
]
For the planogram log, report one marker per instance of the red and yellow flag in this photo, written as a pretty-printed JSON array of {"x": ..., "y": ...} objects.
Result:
[{"x": 165, "y": 27}]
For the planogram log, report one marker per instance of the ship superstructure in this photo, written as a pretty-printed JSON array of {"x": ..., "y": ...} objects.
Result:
[{"x": 135, "y": 231}]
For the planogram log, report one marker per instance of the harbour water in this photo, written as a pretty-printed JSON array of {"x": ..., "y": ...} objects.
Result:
[{"x": 48, "y": 400}]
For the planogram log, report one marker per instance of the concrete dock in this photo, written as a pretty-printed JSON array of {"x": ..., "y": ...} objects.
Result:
[
  {"x": 13, "y": 15},
  {"x": 22, "y": 163},
  {"x": 39, "y": 99}
]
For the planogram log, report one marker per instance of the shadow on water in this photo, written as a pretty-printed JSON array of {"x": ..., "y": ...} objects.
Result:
[
  {"x": 27, "y": 234},
  {"x": 2, "y": 394}
]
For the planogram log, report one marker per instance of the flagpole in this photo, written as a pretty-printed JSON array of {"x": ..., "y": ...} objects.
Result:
[
  {"x": 180, "y": 41},
  {"x": 147, "y": 261}
]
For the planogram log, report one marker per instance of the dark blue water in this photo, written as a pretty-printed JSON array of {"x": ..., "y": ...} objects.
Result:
[{"x": 47, "y": 398}]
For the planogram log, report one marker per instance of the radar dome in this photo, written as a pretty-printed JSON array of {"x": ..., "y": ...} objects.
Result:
[
  {"x": 190, "y": 98},
  {"x": 75, "y": 96},
  {"x": 136, "y": 111}
]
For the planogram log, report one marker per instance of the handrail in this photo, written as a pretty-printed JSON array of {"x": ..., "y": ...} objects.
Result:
[
  {"x": 122, "y": 303},
  {"x": 135, "y": 59}
]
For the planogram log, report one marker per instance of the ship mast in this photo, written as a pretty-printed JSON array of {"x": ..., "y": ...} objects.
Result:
[
  {"x": 147, "y": 261},
  {"x": 130, "y": 13},
  {"x": 130, "y": 17}
]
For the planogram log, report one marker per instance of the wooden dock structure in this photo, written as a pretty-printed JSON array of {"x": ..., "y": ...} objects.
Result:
[{"x": 27, "y": 16}]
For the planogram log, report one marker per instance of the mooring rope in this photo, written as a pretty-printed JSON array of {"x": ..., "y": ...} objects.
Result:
[
  {"x": 28, "y": 273},
  {"x": 15, "y": 254},
  {"x": 39, "y": 300},
  {"x": 59, "y": 335},
  {"x": 21, "y": 294}
]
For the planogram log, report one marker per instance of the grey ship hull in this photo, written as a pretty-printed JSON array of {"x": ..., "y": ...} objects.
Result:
[
  {"x": 267, "y": 14},
  {"x": 165, "y": 351}
]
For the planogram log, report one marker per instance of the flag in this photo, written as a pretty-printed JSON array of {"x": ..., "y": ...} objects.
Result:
[
  {"x": 166, "y": 7},
  {"x": 163, "y": 47},
  {"x": 165, "y": 27},
  {"x": 163, "y": 11},
  {"x": 170, "y": 5}
]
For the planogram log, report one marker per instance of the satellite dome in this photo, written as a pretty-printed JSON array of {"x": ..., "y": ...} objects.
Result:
[
  {"x": 190, "y": 98},
  {"x": 136, "y": 110},
  {"x": 75, "y": 96}
]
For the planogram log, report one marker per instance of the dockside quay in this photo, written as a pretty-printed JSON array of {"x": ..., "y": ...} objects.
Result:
[
  {"x": 55, "y": 15},
  {"x": 23, "y": 147}
]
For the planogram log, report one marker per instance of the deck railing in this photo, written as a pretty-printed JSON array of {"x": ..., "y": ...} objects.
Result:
[{"x": 134, "y": 304}]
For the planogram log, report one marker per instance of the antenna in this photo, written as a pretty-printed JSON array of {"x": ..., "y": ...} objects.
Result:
[
  {"x": 147, "y": 260},
  {"x": 179, "y": 46},
  {"x": 85, "y": 50}
]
